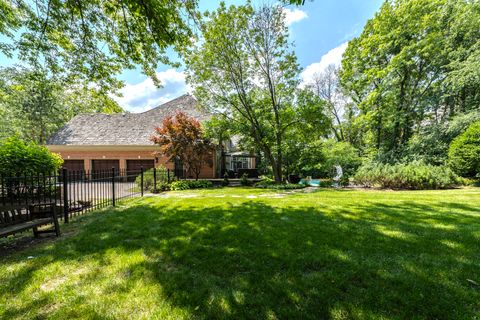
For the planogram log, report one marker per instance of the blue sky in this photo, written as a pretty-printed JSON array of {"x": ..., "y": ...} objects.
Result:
[{"x": 320, "y": 31}]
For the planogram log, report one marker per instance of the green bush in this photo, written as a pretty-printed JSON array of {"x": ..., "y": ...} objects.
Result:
[
  {"x": 161, "y": 186},
  {"x": 270, "y": 184},
  {"x": 244, "y": 180},
  {"x": 19, "y": 157},
  {"x": 190, "y": 184},
  {"x": 415, "y": 175},
  {"x": 464, "y": 152},
  {"x": 148, "y": 180},
  {"x": 225, "y": 181}
]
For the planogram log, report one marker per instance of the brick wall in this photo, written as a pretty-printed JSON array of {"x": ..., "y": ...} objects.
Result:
[{"x": 87, "y": 155}]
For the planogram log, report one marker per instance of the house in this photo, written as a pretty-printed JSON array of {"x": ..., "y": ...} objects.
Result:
[{"x": 122, "y": 141}]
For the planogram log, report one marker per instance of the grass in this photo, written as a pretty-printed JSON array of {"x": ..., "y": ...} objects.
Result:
[{"x": 247, "y": 253}]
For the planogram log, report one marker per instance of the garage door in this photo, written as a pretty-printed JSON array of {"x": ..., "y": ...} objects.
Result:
[
  {"x": 75, "y": 169},
  {"x": 73, "y": 165},
  {"x": 134, "y": 167},
  {"x": 101, "y": 168}
]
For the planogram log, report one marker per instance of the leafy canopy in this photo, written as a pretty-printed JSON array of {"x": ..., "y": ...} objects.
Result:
[
  {"x": 94, "y": 39},
  {"x": 245, "y": 70}
]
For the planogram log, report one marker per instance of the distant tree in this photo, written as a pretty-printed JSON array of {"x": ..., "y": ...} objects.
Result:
[
  {"x": 464, "y": 153},
  {"x": 244, "y": 68},
  {"x": 181, "y": 137},
  {"x": 325, "y": 85},
  {"x": 34, "y": 104}
]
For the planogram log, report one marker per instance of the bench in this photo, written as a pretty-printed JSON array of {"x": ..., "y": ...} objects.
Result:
[{"x": 18, "y": 218}]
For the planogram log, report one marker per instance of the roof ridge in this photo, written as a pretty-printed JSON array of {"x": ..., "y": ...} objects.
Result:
[{"x": 170, "y": 102}]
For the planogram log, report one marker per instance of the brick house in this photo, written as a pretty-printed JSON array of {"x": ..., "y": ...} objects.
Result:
[{"x": 102, "y": 141}]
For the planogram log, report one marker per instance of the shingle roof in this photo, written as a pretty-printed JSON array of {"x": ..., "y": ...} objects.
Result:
[{"x": 125, "y": 128}]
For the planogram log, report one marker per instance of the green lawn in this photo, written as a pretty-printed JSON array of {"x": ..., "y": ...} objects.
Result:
[{"x": 246, "y": 253}]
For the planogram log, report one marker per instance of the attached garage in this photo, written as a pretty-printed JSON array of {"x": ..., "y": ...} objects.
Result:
[
  {"x": 75, "y": 169},
  {"x": 103, "y": 165},
  {"x": 74, "y": 165},
  {"x": 134, "y": 167}
]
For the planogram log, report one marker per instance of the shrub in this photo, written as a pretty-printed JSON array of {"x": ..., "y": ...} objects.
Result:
[
  {"x": 190, "y": 184},
  {"x": 270, "y": 184},
  {"x": 225, "y": 181},
  {"x": 148, "y": 180},
  {"x": 244, "y": 180},
  {"x": 20, "y": 157},
  {"x": 464, "y": 152},
  {"x": 415, "y": 175},
  {"x": 161, "y": 186}
]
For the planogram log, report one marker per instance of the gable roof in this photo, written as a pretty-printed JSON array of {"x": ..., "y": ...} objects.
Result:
[{"x": 124, "y": 128}]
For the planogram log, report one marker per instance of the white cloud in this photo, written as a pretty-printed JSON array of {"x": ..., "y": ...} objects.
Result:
[
  {"x": 333, "y": 56},
  {"x": 145, "y": 95},
  {"x": 295, "y": 15}
]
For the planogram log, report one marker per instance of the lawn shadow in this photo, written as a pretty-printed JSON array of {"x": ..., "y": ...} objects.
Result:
[{"x": 254, "y": 260}]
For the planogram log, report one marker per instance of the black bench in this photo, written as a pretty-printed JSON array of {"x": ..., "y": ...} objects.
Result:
[{"x": 17, "y": 218}]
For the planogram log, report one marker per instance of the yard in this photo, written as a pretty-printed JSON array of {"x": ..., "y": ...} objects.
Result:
[{"x": 248, "y": 253}]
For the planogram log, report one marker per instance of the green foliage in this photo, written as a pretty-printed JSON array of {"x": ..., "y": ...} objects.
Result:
[
  {"x": 96, "y": 40},
  {"x": 148, "y": 178},
  {"x": 415, "y": 175},
  {"x": 34, "y": 104},
  {"x": 342, "y": 154},
  {"x": 244, "y": 181},
  {"x": 245, "y": 70},
  {"x": 161, "y": 187},
  {"x": 225, "y": 181},
  {"x": 464, "y": 153},
  {"x": 190, "y": 184},
  {"x": 19, "y": 157},
  {"x": 414, "y": 65}
]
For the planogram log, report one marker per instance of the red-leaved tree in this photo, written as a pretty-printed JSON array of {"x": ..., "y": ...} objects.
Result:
[{"x": 181, "y": 137}]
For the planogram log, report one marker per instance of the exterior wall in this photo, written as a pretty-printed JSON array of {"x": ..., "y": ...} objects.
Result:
[{"x": 122, "y": 153}]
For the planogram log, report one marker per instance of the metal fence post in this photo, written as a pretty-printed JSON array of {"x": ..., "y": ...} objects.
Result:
[
  {"x": 168, "y": 175},
  {"x": 65, "y": 195},
  {"x": 141, "y": 180},
  {"x": 154, "y": 180},
  {"x": 113, "y": 186}
]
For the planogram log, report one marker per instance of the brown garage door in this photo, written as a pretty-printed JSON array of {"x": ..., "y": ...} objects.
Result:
[
  {"x": 75, "y": 169},
  {"x": 104, "y": 165},
  {"x": 134, "y": 166},
  {"x": 73, "y": 165}
]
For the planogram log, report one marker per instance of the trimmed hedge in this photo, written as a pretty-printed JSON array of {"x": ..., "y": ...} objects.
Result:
[
  {"x": 190, "y": 184},
  {"x": 414, "y": 176}
]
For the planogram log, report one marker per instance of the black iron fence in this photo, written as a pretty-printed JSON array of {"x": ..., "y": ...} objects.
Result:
[{"x": 72, "y": 192}]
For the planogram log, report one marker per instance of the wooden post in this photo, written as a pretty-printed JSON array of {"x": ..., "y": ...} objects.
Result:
[
  {"x": 113, "y": 186},
  {"x": 65, "y": 195}
]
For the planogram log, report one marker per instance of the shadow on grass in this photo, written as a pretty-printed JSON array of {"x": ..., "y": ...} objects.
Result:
[{"x": 257, "y": 261}]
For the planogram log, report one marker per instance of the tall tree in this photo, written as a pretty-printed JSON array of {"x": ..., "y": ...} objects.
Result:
[
  {"x": 244, "y": 69},
  {"x": 325, "y": 85},
  {"x": 95, "y": 39},
  {"x": 396, "y": 70},
  {"x": 181, "y": 137}
]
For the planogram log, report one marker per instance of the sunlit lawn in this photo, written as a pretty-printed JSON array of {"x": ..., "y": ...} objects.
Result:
[{"x": 246, "y": 253}]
